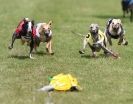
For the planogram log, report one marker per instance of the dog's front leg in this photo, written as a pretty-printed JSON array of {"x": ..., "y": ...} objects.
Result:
[
  {"x": 93, "y": 54},
  {"x": 31, "y": 49},
  {"x": 82, "y": 51},
  {"x": 109, "y": 39},
  {"x": 35, "y": 48},
  {"x": 13, "y": 40},
  {"x": 106, "y": 51},
  {"x": 93, "y": 49},
  {"x": 122, "y": 40},
  {"x": 49, "y": 47},
  {"x": 36, "y": 43}
]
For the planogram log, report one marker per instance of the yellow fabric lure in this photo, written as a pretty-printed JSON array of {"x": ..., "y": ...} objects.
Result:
[{"x": 64, "y": 82}]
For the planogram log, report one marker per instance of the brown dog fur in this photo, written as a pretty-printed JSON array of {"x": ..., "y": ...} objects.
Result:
[{"x": 44, "y": 34}]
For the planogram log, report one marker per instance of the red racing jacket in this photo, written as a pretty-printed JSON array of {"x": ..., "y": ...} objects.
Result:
[{"x": 19, "y": 27}]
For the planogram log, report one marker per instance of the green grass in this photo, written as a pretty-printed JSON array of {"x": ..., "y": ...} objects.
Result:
[{"x": 104, "y": 80}]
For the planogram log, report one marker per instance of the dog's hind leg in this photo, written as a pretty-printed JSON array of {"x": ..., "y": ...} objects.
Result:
[
  {"x": 120, "y": 40},
  {"x": 14, "y": 36}
]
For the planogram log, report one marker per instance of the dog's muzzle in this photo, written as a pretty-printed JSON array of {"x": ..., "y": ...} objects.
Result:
[
  {"x": 115, "y": 28},
  {"x": 46, "y": 33},
  {"x": 94, "y": 32}
]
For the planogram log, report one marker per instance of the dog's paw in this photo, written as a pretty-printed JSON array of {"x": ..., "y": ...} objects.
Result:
[
  {"x": 52, "y": 53},
  {"x": 81, "y": 52},
  {"x": 10, "y": 47},
  {"x": 126, "y": 43},
  {"x": 31, "y": 57}
]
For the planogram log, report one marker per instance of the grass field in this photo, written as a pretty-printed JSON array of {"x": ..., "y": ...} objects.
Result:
[{"x": 104, "y": 80}]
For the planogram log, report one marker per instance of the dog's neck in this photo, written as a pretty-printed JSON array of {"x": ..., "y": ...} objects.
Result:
[
  {"x": 41, "y": 31},
  {"x": 95, "y": 39}
]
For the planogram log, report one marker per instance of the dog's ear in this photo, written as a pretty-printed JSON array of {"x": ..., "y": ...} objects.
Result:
[
  {"x": 91, "y": 25},
  {"x": 33, "y": 22},
  {"x": 41, "y": 27},
  {"x": 97, "y": 26},
  {"x": 119, "y": 21},
  {"x": 50, "y": 22}
]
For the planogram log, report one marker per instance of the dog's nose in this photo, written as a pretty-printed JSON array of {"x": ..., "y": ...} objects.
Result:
[
  {"x": 93, "y": 31},
  {"x": 30, "y": 31},
  {"x": 116, "y": 27},
  {"x": 47, "y": 32}
]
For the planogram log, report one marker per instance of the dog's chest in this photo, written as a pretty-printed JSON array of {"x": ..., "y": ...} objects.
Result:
[
  {"x": 26, "y": 38},
  {"x": 42, "y": 38}
]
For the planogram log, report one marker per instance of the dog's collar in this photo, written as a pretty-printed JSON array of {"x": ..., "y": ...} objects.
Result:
[{"x": 112, "y": 36}]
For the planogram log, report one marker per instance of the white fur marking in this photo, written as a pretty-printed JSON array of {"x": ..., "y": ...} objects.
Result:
[{"x": 29, "y": 26}]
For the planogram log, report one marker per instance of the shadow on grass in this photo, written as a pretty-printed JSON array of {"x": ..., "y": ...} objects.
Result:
[
  {"x": 19, "y": 57},
  {"x": 41, "y": 53},
  {"x": 91, "y": 57},
  {"x": 129, "y": 100}
]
